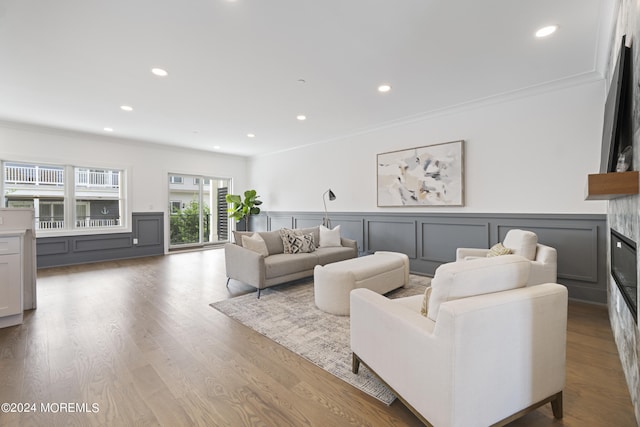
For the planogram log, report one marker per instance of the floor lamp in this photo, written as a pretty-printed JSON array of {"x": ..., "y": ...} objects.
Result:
[{"x": 326, "y": 221}]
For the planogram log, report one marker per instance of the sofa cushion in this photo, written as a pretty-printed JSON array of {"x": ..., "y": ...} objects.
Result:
[
  {"x": 284, "y": 264},
  {"x": 480, "y": 276},
  {"x": 273, "y": 241},
  {"x": 522, "y": 242},
  {"x": 334, "y": 254},
  {"x": 237, "y": 236},
  {"x": 497, "y": 250},
  {"x": 329, "y": 237},
  {"x": 313, "y": 230},
  {"x": 255, "y": 243}
]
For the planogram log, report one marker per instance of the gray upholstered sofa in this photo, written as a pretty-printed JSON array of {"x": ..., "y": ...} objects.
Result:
[{"x": 277, "y": 267}]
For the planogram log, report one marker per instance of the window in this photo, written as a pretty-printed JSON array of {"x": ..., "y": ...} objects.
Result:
[
  {"x": 175, "y": 206},
  {"x": 66, "y": 198},
  {"x": 198, "y": 211},
  {"x": 97, "y": 198}
]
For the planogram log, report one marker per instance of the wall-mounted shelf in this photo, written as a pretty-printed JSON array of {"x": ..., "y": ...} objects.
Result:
[{"x": 606, "y": 186}]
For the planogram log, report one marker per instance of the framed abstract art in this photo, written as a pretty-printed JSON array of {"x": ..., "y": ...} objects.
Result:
[{"x": 432, "y": 175}]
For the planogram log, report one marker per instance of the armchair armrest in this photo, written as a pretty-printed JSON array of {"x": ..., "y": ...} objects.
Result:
[
  {"x": 544, "y": 269},
  {"x": 463, "y": 253},
  {"x": 244, "y": 265}
]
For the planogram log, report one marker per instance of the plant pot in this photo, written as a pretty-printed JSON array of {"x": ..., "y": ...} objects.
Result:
[{"x": 242, "y": 225}]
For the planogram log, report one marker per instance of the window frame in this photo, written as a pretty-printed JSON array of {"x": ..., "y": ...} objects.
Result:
[{"x": 70, "y": 200}]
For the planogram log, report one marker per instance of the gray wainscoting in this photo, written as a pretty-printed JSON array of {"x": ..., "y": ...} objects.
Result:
[
  {"x": 432, "y": 239},
  {"x": 148, "y": 228}
]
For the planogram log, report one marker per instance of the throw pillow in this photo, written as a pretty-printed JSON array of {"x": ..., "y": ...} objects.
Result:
[
  {"x": 287, "y": 235},
  {"x": 328, "y": 237},
  {"x": 497, "y": 250},
  {"x": 424, "y": 310},
  {"x": 255, "y": 243},
  {"x": 302, "y": 244}
]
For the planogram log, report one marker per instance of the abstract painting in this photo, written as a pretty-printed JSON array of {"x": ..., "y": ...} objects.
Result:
[{"x": 423, "y": 176}]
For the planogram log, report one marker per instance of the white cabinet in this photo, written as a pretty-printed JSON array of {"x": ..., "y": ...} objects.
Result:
[{"x": 11, "y": 278}]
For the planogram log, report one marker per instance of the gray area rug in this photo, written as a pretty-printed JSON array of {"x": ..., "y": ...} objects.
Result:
[{"x": 287, "y": 314}]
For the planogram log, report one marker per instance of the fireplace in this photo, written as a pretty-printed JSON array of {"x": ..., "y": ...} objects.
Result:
[{"x": 624, "y": 269}]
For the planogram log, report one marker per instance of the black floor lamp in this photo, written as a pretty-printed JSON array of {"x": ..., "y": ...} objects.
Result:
[{"x": 326, "y": 221}]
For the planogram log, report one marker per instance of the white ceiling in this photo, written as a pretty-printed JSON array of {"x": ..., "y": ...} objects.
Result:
[{"x": 234, "y": 67}]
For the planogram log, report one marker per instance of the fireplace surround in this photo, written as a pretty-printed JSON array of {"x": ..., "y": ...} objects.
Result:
[{"x": 624, "y": 269}]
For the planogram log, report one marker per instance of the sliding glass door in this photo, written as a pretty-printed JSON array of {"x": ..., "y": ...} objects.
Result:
[{"x": 197, "y": 210}]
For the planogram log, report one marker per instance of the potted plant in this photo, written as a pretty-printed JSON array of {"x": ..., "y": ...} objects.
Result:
[{"x": 240, "y": 210}]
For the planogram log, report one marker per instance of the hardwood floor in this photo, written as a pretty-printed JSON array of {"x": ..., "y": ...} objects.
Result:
[{"x": 135, "y": 342}]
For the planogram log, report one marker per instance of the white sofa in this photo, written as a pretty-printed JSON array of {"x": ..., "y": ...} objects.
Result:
[
  {"x": 489, "y": 349},
  {"x": 544, "y": 259}
]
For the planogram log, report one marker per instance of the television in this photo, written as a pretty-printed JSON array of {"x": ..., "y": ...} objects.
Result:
[{"x": 615, "y": 129}]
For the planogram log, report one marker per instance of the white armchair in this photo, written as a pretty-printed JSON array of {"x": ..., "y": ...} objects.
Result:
[
  {"x": 544, "y": 259},
  {"x": 489, "y": 350}
]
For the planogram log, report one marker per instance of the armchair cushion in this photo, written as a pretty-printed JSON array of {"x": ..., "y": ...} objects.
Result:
[
  {"x": 458, "y": 280},
  {"x": 522, "y": 242}
]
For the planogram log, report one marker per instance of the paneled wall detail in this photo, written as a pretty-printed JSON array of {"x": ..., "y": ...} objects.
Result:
[
  {"x": 67, "y": 250},
  {"x": 432, "y": 239},
  {"x": 391, "y": 234}
]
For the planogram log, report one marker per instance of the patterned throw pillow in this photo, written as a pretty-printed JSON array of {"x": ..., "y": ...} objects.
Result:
[
  {"x": 497, "y": 250},
  {"x": 424, "y": 310},
  {"x": 302, "y": 244},
  {"x": 295, "y": 242}
]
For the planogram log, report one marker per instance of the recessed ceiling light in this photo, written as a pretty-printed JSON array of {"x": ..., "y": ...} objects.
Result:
[
  {"x": 546, "y": 31},
  {"x": 384, "y": 88},
  {"x": 216, "y": 147},
  {"x": 108, "y": 129},
  {"x": 251, "y": 135},
  {"x": 159, "y": 72},
  {"x": 126, "y": 108},
  {"x": 301, "y": 117}
]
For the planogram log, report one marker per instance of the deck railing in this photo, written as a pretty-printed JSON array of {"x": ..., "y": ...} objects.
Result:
[
  {"x": 54, "y": 224},
  {"x": 40, "y": 175},
  {"x": 91, "y": 178},
  {"x": 33, "y": 175}
]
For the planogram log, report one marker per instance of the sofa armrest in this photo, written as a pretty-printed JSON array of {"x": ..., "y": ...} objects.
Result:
[
  {"x": 244, "y": 265},
  {"x": 348, "y": 243},
  {"x": 463, "y": 253}
]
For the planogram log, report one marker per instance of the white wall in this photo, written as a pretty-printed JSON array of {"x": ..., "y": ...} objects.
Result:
[
  {"x": 148, "y": 164},
  {"x": 525, "y": 153}
]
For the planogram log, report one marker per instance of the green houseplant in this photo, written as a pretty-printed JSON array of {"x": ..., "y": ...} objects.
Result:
[{"x": 240, "y": 209}]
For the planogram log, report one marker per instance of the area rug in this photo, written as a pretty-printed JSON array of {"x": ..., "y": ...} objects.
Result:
[{"x": 287, "y": 314}]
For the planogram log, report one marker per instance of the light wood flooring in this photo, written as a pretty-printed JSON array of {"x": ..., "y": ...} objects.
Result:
[{"x": 138, "y": 339}]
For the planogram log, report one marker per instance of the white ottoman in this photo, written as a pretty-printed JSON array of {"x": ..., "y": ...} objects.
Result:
[{"x": 381, "y": 272}]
